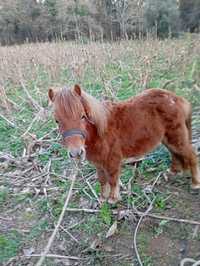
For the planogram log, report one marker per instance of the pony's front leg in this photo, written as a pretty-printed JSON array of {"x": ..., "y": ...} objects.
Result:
[
  {"x": 113, "y": 180},
  {"x": 105, "y": 186}
]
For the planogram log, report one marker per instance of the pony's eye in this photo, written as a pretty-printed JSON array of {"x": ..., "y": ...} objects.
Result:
[{"x": 57, "y": 122}]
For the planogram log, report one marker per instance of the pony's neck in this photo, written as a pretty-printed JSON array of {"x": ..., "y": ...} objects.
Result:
[{"x": 92, "y": 134}]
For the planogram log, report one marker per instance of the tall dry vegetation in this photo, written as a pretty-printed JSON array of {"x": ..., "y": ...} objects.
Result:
[{"x": 65, "y": 63}]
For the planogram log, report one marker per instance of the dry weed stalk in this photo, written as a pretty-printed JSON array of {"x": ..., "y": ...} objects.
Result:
[
  {"x": 127, "y": 212},
  {"x": 189, "y": 260},
  {"x": 51, "y": 239}
]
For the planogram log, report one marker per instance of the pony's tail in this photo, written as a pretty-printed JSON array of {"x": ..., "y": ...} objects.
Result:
[
  {"x": 187, "y": 108},
  {"x": 188, "y": 123}
]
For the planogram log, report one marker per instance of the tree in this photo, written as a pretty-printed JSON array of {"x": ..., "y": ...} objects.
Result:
[
  {"x": 22, "y": 20},
  {"x": 162, "y": 17},
  {"x": 129, "y": 16},
  {"x": 190, "y": 14},
  {"x": 119, "y": 19}
]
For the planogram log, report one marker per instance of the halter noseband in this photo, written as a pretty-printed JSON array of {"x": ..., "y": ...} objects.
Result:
[{"x": 72, "y": 132}]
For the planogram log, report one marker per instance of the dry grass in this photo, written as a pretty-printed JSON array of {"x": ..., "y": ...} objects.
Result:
[{"x": 140, "y": 58}]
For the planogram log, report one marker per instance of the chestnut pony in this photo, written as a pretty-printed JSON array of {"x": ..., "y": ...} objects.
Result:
[{"x": 106, "y": 132}]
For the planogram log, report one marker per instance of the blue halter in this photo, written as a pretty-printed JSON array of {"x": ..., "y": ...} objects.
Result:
[{"x": 72, "y": 132}]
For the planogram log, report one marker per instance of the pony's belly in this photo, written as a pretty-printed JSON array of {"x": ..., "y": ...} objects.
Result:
[{"x": 141, "y": 147}]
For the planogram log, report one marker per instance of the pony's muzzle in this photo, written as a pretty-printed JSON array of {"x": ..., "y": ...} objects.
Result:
[{"x": 77, "y": 153}]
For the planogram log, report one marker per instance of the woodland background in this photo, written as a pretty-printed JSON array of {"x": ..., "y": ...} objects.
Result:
[{"x": 46, "y": 20}]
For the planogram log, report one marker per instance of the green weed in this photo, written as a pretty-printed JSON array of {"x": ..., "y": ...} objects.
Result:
[
  {"x": 126, "y": 174},
  {"x": 9, "y": 245},
  {"x": 92, "y": 225},
  {"x": 4, "y": 194},
  {"x": 105, "y": 214},
  {"x": 144, "y": 240},
  {"x": 161, "y": 227},
  {"x": 37, "y": 230}
]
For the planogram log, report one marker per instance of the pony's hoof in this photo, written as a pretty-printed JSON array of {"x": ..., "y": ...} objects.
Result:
[
  {"x": 102, "y": 200},
  {"x": 170, "y": 174},
  {"x": 195, "y": 186},
  {"x": 114, "y": 200},
  {"x": 173, "y": 172}
]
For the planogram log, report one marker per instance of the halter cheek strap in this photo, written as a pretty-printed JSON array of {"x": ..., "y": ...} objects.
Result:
[{"x": 73, "y": 132}]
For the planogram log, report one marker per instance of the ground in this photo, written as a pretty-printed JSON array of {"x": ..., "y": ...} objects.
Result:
[{"x": 35, "y": 172}]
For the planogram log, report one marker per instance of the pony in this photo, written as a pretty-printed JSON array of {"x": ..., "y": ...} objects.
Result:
[{"x": 106, "y": 132}]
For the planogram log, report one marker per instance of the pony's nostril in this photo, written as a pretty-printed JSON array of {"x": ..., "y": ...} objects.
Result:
[
  {"x": 70, "y": 155},
  {"x": 76, "y": 153},
  {"x": 81, "y": 152}
]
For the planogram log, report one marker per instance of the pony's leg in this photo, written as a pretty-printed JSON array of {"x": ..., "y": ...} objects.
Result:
[
  {"x": 179, "y": 143},
  {"x": 113, "y": 180},
  {"x": 190, "y": 161},
  {"x": 114, "y": 196},
  {"x": 176, "y": 165},
  {"x": 105, "y": 186}
]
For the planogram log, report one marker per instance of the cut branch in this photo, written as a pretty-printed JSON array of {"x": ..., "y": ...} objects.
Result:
[
  {"x": 8, "y": 121},
  {"x": 51, "y": 239},
  {"x": 128, "y": 211}
]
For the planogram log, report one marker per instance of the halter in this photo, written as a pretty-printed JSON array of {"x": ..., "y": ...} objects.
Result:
[{"x": 72, "y": 132}]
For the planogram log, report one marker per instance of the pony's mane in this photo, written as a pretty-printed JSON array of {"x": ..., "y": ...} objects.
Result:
[{"x": 72, "y": 105}]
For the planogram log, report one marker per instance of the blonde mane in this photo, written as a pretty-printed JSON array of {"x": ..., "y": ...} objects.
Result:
[{"x": 72, "y": 105}]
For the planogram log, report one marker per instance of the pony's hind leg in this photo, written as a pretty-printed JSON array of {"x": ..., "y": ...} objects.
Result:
[
  {"x": 176, "y": 164},
  {"x": 179, "y": 145},
  {"x": 190, "y": 161}
]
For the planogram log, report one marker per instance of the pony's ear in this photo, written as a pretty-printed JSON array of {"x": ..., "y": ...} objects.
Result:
[
  {"x": 51, "y": 94},
  {"x": 77, "y": 89}
]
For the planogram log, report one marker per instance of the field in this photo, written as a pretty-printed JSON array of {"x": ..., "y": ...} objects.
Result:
[{"x": 35, "y": 172}]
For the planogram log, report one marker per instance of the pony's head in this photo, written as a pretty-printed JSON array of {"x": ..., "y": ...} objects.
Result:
[{"x": 74, "y": 110}]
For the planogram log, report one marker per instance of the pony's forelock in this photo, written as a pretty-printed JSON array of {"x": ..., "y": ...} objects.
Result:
[
  {"x": 68, "y": 103},
  {"x": 72, "y": 105}
]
